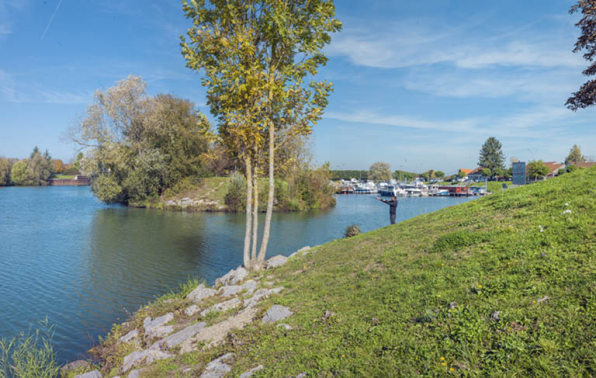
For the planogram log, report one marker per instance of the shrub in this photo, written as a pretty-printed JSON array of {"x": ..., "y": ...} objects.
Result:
[
  {"x": 29, "y": 355},
  {"x": 235, "y": 197},
  {"x": 352, "y": 230}
]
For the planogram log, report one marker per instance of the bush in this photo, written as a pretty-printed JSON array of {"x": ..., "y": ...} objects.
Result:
[
  {"x": 29, "y": 355},
  {"x": 235, "y": 198},
  {"x": 352, "y": 230}
]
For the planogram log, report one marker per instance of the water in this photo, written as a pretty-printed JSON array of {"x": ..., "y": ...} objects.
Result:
[{"x": 84, "y": 265}]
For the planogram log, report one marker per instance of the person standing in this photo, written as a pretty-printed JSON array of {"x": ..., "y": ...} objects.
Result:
[{"x": 392, "y": 207}]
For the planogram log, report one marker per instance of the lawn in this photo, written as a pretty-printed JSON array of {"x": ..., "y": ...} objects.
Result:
[{"x": 504, "y": 285}]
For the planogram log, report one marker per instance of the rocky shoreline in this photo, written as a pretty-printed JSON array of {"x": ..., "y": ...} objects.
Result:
[{"x": 200, "y": 321}]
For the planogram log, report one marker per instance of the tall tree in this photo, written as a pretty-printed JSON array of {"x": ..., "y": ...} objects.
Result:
[
  {"x": 256, "y": 56},
  {"x": 575, "y": 155},
  {"x": 586, "y": 95},
  {"x": 491, "y": 155},
  {"x": 138, "y": 145},
  {"x": 379, "y": 171}
]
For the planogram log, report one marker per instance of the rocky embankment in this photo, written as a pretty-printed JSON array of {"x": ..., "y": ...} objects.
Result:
[{"x": 200, "y": 321}]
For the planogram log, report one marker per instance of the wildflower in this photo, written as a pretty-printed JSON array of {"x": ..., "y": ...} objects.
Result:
[
  {"x": 442, "y": 264},
  {"x": 442, "y": 358},
  {"x": 444, "y": 363},
  {"x": 480, "y": 286},
  {"x": 451, "y": 369},
  {"x": 566, "y": 212},
  {"x": 438, "y": 295},
  {"x": 314, "y": 320},
  {"x": 543, "y": 254},
  {"x": 534, "y": 302},
  {"x": 343, "y": 356},
  {"x": 566, "y": 204}
]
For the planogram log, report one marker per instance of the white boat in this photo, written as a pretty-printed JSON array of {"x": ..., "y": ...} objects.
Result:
[{"x": 365, "y": 188}]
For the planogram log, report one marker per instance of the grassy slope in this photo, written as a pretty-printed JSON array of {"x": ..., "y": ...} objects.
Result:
[{"x": 390, "y": 291}]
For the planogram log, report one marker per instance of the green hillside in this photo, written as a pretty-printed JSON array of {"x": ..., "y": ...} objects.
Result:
[{"x": 501, "y": 286}]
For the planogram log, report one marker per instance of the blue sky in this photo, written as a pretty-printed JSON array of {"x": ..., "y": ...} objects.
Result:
[{"x": 420, "y": 85}]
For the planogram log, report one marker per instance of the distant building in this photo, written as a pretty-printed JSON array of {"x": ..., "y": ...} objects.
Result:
[
  {"x": 476, "y": 174},
  {"x": 553, "y": 168},
  {"x": 466, "y": 171}
]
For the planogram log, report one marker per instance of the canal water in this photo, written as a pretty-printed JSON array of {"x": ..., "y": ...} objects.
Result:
[{"x": 84, "y": 265}]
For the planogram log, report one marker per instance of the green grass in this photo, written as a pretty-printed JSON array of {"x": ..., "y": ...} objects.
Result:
[
  {"x": 415, "y": 299},
  {"x": 63, "y": 177}
]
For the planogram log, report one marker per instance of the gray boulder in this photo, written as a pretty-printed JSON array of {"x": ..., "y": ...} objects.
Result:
[
  {"x": 276, "y": 261},
  {"x": 232, "y": 277},
  {"x": 228, "y": 291},
  {"x": 218, "y": 368},
  {"x": 179, "y": 337},
  {"x": 250, "y": 286},
  {"x": 248, "y": 374},
  {"x": 223, "y": 306},
  {"x": 129, "y": 336},
  {"x": 143, "y": 358},
  {"x": 157, "y": 327},
  {"x": 74, "y": 366},
  {"x": 91, "y": 374},
  {"x": 136, "y": 373},
  {"x": 276, "y": 313},
  {"x": 200, "y": 293},
  {"x": 260, "y": 295},
  {"x": 286, "y": 326},
  {"x": 190, "y": 311}
]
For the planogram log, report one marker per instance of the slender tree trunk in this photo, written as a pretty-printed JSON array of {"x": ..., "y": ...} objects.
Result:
[
  {"x": 270, "y": 197},
  {"x": 247, "y": 260},
  {"x": 255, "y": 223}
]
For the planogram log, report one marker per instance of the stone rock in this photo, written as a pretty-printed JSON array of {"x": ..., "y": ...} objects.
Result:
[
  {"x": 248, "y": 374},
  {"x": 276, "y": 313},
  {"x": 136, "y": 373},
  {"x": 286, "y": 326},
  {"x": 223, "y": 306},
  {"x": 142, "y": 358},
  {"x": 228, "y": 291},
  {"x": 179, "y": 337},
  {"x": 190, "y": 311},
  {"x": 171, "y": 203},
  {"x": 75, "y": 365},
  {"x": 452, "y": 306},
  {"x": 250, "y": 286},
  {"x": 216, "y": 334},
  {"x": 494, "y": 316},
  {"x": 91, "y": 374},
  {"x": 543, "y": 299},
  {"x": 200, "y": 293},
  {"x": 301, "y": 375},
  {"x": 157, "y": 327},
  {"x": 129, "y": 336},
  {"x": 232, "y": 277},
  {"x": 276, "y": 261},
  {"x": 218, "y": 368},
  {"x": 260, "y": 295}
]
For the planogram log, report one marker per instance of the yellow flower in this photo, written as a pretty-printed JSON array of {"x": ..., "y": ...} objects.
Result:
[
  {"x": 343, "y": 356},
  {"x": 314, "y": 320},
  {"x": 533, "y": 301},
  {"x": 442, "y": 264},
  {"x": 444, "y": 363},
  {"x": 438, "y": 295},
  {"x": 442, "y": 358},
  {"x": 451, "y": 369},
  {"x": 480, "y": 286}
]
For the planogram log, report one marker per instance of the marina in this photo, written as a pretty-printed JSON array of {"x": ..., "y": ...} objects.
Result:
[{"x": 417, "y": 188}]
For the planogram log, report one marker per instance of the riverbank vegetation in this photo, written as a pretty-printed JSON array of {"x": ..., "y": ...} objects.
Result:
[
  {"x": 33, "y": 171},
  {"x": 497, "y": 286}
]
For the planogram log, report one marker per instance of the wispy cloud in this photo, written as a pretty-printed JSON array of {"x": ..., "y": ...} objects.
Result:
[
  {"x": 11, "y": 90},
  {"x": 7, "y": 8},
  {"x": 420, "y": 42}
]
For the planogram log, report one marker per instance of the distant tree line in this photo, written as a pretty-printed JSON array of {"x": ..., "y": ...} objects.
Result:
[{"x": 33, "y": 171}]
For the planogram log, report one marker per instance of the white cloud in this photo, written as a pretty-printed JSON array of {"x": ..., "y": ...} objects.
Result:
[
  {"x": 422, "y": 42},
  {"x": 7, "y": 7}
]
